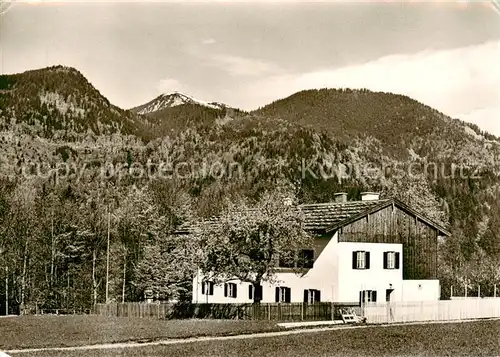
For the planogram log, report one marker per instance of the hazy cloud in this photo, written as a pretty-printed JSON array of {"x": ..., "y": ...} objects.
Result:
[
  {"x": 208, "y": 41},
  {"x": 168, "y": 85},
  {"x": 240, "y": 66},
  {"x": 486, "y": 118}
]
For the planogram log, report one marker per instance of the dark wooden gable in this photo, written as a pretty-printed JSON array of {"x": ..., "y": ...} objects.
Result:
[{"x": 394, "y": 224}]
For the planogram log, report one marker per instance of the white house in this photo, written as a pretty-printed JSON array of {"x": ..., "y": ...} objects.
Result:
[{"x": 368, "y": 250}]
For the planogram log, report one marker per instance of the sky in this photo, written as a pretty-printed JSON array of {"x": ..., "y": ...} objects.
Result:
[{"x": 248, "y": 54}]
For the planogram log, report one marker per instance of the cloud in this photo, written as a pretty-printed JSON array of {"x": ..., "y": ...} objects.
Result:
[
  {"x": 241, "y": 66},
  {"x": 208, "y": 41},
  {"x": 486, "y": 118},
  {"x": 456, "y": 81},
  {"x": 168, "y": 85}
]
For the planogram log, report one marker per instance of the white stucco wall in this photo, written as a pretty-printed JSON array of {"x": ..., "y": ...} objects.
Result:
[
  {"x": 333, "y": 275},
  {"x": 352, "y": 281},
  {"x": 421, "y": 290}
]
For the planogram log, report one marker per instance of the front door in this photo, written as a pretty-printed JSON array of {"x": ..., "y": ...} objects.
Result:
[
  {"x": 388, "y": 294},
  {"x": 390, "y": 312}
]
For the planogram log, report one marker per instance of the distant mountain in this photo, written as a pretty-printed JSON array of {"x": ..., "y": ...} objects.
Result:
[
  {"x": 176, "y": 111},
  {"x": 59, "y": 101},
  {"x": 399, "y": 126},
  {"x": 169, "y": 100}
]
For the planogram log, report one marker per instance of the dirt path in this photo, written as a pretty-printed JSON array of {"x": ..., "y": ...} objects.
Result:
[{"x": 121, "y": 345}]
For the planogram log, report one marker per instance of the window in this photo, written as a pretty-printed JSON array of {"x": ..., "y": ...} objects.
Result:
[
  {"x": 303, "y": 259},
  {"x": 391, "y": 260},
  {"x": 283, "y": 294},
  {"x": 311, "y": 296},
  {"x": 230, "y": 290},
  {"x": 360, "y": 260},
  {"x": 252, "y": 291},
  {"x": 306, "y": 258},
  {"x": 368, "y": 296},
  {"x": 207, "y": 288}
]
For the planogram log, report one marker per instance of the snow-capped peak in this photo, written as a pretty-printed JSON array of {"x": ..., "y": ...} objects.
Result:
[{"x": 169, "y": 100}]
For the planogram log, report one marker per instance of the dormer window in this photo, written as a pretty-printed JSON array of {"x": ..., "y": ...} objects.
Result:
[
  {"x": 303, "y": 259},
  {"x": 306, "y": 258}
]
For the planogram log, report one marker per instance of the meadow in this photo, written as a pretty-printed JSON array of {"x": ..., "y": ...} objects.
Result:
[
  {"x": 76, "y": 330},
  {"x": 474, "y": 338}
]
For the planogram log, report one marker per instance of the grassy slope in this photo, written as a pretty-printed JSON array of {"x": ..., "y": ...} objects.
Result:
[
  {"x": 461, "y": 339},
  {"x": 58, "y": 331}
]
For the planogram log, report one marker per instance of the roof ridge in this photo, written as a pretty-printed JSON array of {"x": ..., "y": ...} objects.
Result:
[{"x": 343, "y": 203}]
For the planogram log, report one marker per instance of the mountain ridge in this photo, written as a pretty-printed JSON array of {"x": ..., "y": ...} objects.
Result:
[{"x": 60, "y": 100}]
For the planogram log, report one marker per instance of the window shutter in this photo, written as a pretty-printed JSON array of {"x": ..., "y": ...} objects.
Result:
[
  {"x": 367, "y": 260},
  {"x": 397, "y": 261},
  {"x": 288, "y": 293},
  {"x": 211, "y": 288},
  {"x": 385, "y": 259},
  {"x": 354, "y": 260},
  {"x": 250, "y": 292},
  {"x": 203, "y": 288},
  {"x": 225, "y": 290},
  {"x": 361, "y": 300},
  {"x": 277, "y": 294},
  {"x": 318, "y": 296},
  {"x": 306, "y": 295},
  {"x": 235, "y": 286},
  {"x": 310, "y": 263},
  {"x": 374, "y": 295}
]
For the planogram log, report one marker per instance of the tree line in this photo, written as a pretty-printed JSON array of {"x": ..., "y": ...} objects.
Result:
[{"x": 73, "y": 247}]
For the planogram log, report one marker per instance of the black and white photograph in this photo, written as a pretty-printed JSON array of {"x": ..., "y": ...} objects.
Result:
[{"x": 249, "y": 178}]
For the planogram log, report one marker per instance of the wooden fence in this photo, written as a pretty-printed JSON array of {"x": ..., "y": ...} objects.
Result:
[
  {"x": 263, "y": 311},
  {"x": 443, "y": 310}
]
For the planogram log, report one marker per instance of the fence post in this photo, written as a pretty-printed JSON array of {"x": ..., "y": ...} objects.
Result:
[
  {"x": 495, "y": 290},
  {"x": 333, "y": 311},
  {"x": 479, "y": 291},
  {"x": 465, "y": 286},
  {"x": 451, "y": 292},
  {"x": 302, "y": 311}
]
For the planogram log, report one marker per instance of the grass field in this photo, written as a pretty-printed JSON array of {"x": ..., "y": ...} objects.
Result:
[
  {"x": 480, "y": 338},
  {"x": 59, "y": 331}
]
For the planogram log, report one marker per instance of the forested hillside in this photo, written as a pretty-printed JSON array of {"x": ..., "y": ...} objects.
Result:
[{"x": 74, "y": 167}]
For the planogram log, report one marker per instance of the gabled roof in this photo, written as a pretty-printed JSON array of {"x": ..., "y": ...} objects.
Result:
[
  {"x": 322, "y": 216},
  {"x": 329, "y": 217}
]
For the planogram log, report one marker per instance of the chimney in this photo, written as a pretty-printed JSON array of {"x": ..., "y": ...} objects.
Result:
[
  {"x": 341, "y": 197},
  {"x": 370, "y": 196}
]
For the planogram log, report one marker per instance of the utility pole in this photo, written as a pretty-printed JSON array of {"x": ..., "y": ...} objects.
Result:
[
  {"x": 6, "y": 290},
  {"x": 107, "y": 259},
  {"x": 124, "y": 276}
]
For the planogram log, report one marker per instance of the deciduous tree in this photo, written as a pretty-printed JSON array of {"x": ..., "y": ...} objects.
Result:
[{"x": 248, "y": 240}]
